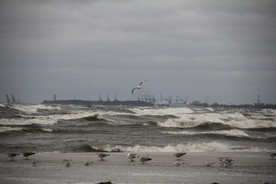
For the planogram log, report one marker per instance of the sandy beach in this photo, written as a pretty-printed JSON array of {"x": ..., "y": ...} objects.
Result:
[{"x": 253, "y": 167}]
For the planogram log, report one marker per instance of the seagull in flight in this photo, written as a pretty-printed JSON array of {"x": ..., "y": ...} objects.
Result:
[{"x": 139, "y": 86}]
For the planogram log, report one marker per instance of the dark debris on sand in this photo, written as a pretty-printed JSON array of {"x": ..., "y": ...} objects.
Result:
[{"x": 106, "y": 182}]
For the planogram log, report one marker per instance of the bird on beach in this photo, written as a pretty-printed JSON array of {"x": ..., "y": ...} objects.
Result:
[
  {"x": 226, "y": 161},
  {"x": 34, "y": 163},
  {"x": 266, "y": 182},
  {"x": 145, "y": 159},
  {"x": 179, "y": 154},
  {"x": 209, "y": 164},
  {"x": 131, "y": 156},
  {"x": 105, "y": 182},
  {"x": 138, "y": 87},
  {"x": 102, "y": 155},
  {"x": 66, "y": 162},
  {"x": 177, "y": 164},
  {"x": 27, "y": 154},
  {"x": 272, "y": 155},
  {"x": 12, "y": 155},
  {"x": 87, "y": 163}
]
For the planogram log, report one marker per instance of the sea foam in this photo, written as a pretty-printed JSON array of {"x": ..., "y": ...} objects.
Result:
[
  {"x": 189, "y": 147},
  {"x": 236, "y": 120},
  {"x": 162, "y": 111},
  {"x": 30, "y": 109},
  {"x": 233, "y": 132},
  {"x": 7, "y": 129}
]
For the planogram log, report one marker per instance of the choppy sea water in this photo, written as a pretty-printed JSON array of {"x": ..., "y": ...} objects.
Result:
[{"x": 70, "y": 128}]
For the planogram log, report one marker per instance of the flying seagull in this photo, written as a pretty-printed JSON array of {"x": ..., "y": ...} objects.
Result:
[{"x": 139, "y": 86}]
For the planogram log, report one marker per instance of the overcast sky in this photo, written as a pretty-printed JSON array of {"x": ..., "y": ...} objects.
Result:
[{"x": 218, "y": 49}]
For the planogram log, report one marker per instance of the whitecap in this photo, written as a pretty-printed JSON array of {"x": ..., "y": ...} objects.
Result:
[
  {"x": 236, "y": 120},
  {"x": 47, "y": 129},
  {"x": 189, "y": 147},
  {"x": 234, "y": 132},
  {"x": 162, "y": 111},
  {"x": 32, "y": 108},
  {"x": 7, "y": 129}
]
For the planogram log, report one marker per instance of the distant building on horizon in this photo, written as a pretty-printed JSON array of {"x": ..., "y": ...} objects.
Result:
[{"x": 8, "y": 98}]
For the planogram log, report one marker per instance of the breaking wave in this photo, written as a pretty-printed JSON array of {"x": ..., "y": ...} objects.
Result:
[
  {"x": 31, "y": 109},
  {"x": 162, "y": 112},
  {"x": 232, "y": 133},
  {"x": 8, "y": 129},
  {"x": 26, "y": 128},
  {"x": 212, "y": 126},
  {"x": 49, "y": 119},
  {"x": 236, "y": 120},
  {"x": 190, "y": 147}
]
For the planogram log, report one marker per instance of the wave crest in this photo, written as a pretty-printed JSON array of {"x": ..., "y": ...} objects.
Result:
[
  {"x": 8, "y": 129},
  {"x": 233, "y": 133},
  {"x": 162, "y": 112},
  {"x": 190, "y": 147},
  {"x": 31, "y": 109},
  {"x": 236, "y": 120}
]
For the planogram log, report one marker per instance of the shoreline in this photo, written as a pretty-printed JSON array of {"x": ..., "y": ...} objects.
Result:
[{"x": 248, "y": 167}]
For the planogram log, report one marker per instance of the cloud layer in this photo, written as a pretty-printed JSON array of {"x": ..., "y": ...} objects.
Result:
[{"x": 221, "y": 50}]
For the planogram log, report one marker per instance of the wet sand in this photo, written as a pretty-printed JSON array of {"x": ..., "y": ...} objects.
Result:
[{"x": 248, "y": 168}]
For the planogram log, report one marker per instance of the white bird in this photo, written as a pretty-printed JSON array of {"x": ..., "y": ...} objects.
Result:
[
  {"x": 67, "y": 163},
  {"x": 138, "y": 87},
  {"x": 131, "y": 156}
]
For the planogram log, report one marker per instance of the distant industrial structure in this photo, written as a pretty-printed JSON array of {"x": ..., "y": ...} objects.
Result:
[
  {"x": 107, "y": 97},
  {"x": 12, "y": 100},
  {"x": 146, "y": 99}
]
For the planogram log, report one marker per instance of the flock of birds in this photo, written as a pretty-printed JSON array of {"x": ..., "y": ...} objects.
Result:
[
  {"x": 67, "y": 163},
  {"x": 224, "y": 161},
  {"x": 26, "y": 154}
]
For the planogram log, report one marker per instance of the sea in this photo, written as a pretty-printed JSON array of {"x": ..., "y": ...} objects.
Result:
[{"x": 72, "y": 128}]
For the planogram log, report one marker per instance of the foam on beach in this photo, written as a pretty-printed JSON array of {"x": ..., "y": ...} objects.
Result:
[{"x": 190, "y": 147}]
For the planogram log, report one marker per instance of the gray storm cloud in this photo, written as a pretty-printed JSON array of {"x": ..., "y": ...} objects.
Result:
[{"x": 221, "y": 50}]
